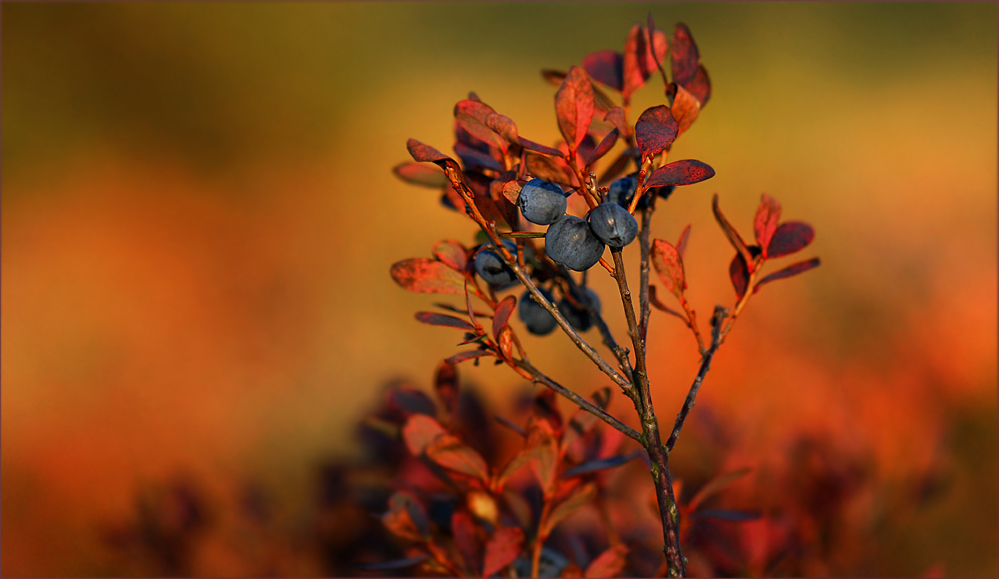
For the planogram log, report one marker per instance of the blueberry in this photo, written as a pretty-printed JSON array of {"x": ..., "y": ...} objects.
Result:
[
  {"x": 570, "y": 242},
  {"x": 579, "y": 318},
  {"x": 622, "y": 191},
  {"x": 491, "y": 268},
  {"x": 665, "y": 191},
  {"x": 541, "y": 202},
  {"x": 537, "y": 319},
  {"x": 612, "y": 224}
]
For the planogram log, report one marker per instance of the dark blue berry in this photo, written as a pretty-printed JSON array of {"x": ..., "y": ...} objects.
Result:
[
  {"x": 491, "y": 268},
  {"x": 612, "y": 224},
  {"x": 541, "y": 202},
  {"x": 579, "y": 318},
  {"x": 537, "y": 319},
  {"x": 622, "y": 191},
  {"x": 570, "y": 242}
]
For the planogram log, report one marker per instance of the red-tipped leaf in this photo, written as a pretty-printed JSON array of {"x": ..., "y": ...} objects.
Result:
[
  {"x": 686, "y": 172},
  {"x": 607, "y": 67},
  {"x": 789, "y": 238},
  {"x": 423, "y": 275},
  {"x": 766, "y": 221},
  {"x": 578, "y": 497},
  {"x": 655, "y": 130},
  {"x": 452, "y": 253},
  {"x": 463, "y": 529},
  {"x": 700, "y": 87},
  {"x": 685, "y": 109},
  {"x": 427, "y": 154},
  {"x": 669, "y": 265},
  {"x": 574, "y": 106},
  {"x": 638, "y": 61},
  {"x": 684, "y": 55},
  {"x": 419, "y": 431}
]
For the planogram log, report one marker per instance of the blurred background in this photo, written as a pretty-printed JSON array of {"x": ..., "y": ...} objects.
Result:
[{"x": 198, "y": 219}]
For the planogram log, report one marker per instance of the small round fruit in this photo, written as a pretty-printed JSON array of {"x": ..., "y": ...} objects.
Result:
[
  {"x": 541, "y": 202},
  {"x": 612, "y": 224},
  {"x": 579, "y": 318},
  {"x": 665, "y": 191},
  {"x": 492, "y": 270},
  {"x": 537, "y": 319},
  {"x": 622, "y": 191},
  {"x": 570, "y": 242}
]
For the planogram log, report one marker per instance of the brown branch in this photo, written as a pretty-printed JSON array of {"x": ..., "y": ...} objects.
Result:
[
  {"x": 643, "y": 275},
  {"x": 716, "y": 338}
]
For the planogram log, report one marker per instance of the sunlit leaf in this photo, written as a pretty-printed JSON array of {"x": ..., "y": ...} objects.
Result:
[
  {"x": 578, "y": 497},
  {"x": 502, "y": 549},
  {"x": 539, "y": 148},
  {"x": 436, "y": 319},
  {"x": 766, "y": 221},
  {"x": 607, "y": 67},
  {"x": 685, "y": 109},
  {"x": 502, "y": 315},
  {"x": 638, "y": 62},
  {"x": 602, "y": 148},
  {"x": 451, "y": 453},
  {"x": 668, "y": 264},
  {"x": 406, "y": 517},
  {"x": 468, "y": 355},
  {"x": 610, "y": 563},
  {"x": 733, "y": 236},
  {"x": 794, "y": 269},
  {"x": 420, "y": 174},
  {"x": 423, "y": 275},
  {"x": 419, "y": 431},
  {"x": 425, "y": 153},
  {"x": 790, "y": 237},
  {"x": 655, "y": 130},
  {"x": 684, "y": 55},
  {"x": 547, "y": 169},
  {"x": 544, "y": 454},
  {"x": 600, "y": 464},
  {"x": 452, "y": 253},
  {"x": 700, "y": 87},
  {"x": 615, "y": 117},
  {"x": 738, "y": 272},
  {"x": 574, "y": 106},
  {"x": 686, "y": 172}
]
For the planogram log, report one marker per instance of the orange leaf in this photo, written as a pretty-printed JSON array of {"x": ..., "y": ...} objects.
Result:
[
  {"x": 502, "y": 314},
  {"x": 574, "y": 106},
  {"x": 453, "y": 253},
  {"x": 638, "y": 62},
  {"x": 685, "y": 109},
  {"x": 502, "y": 549},
  {"x": 579, "y": 496},
  {"x": 669, "y": 265},
  {"x": 424, "y": 275},
  {"x": 610, "y": 563},
  {"x": 419, "y": 431},
  {"x": 451, "y": 453},
  {"x": 766, "y": 221}
]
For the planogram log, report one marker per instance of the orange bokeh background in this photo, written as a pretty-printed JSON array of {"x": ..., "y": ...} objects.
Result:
[{"x": 198, "y": 217}]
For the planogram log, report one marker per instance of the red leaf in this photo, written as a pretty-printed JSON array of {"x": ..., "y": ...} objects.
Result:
[
  {"x": 615, "y": 117},
  {"x": 553, "y": 76},
  {"x": 610, "y": 563},
  {"x": 451, "y": 453},
  {"x": 733, "y": 236},
  {"x": 420, "y": 174},
  {"x": 685, "y": 172},
  {"x": 739, "y": 274},
  {"x": 638, "y": 62},
  {"x": 419, "y": 431},
  {"x": 546, "y": 408},
  {"x": 539, "y": 148},
  {"x": 574, "y": 106},
  {"x": 668, "y": 264},
  {"x": 793, "y": 269},
  {"x": 426, "y": 153},
  {"x": 601, "y": 149},
  {"x": 544, "y": 168},
  {"x": 410, "y": 401},
  {"x": 435, "y": 319},
  {"x": 654, "y": 300},
  {"x": 765, "y": 223},
  {"x": 578, "y": 497},
  {"x": 655, "y": 130},
  {"x": 617, "y": 167},
  {"x": 717, "y": 484},
  {"x": 502, "y": 549},
  {"x": 789, "y": 238},
  {"x": 684, "y": 55},
  {"x": 700, "y": 87},
  {"x": 472, "y": 156},
  {"x": 502, "y": 315},
  {"x": 681, "y": 244},
  {"x": 503, "y": 126},
  {"x": 471, "y": 115},
  {"x": 467, "y": 355},
  {"x": 607, "y": 67},
  {"x": 423, "y": 275},
  {"x": 406, "y": 517},
  {"x": 452, "y": 253},
  {"x": 685, "y": 109},
  {"x": 466, "y": 539},
  {"x": 544, "y": 454},
  {"x": 446, "y": 385}
]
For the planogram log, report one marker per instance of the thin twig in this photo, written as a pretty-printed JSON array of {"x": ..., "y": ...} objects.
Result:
[
  {"x": 716, "y": 338},
  {"x": 643, "y": 275},
  {"x": 578, "y": 400}
]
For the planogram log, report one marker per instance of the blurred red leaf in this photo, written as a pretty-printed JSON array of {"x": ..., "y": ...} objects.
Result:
[
  {"x": 486, "y": 124},
  {"x": 502, "y": 315},
  {"x": 700, "y": 87},
  {"x": 406, "y": 517},
  {"x": 655, "y": 130},
  {"x": 610, "y": 563},
  {"x": 467, "y": 355},
  {"x": 410, "y": 401},
  {"x": 578, "y": 497},
  {"x": 686, "y": 172},
  {"x": 472, "y": 156},
  {"x": 602, "y": 148},
  {"x": 446, "y": 385},
  {"x": 539, "y": 148},
  {"x": 733, "y": 236},
  {"x": 615, "y": 117},
  {"x": 454, "y": 197},
  {"x": 544, "y": 168},
  {"x": 789, "y": 238},
  {"x": 419, "y": 431},
  {"x": 424, "y": 275},
  {"x": 502, "y": 549},
  {"x": 685, "y": 109},
  {"x": 638, "y": 62},
  {"x": 681, "y": 244},
  {"x": 668, "y": 264},
  {"x": 420, "y": 174},
  {"x": 738, "y": 272},
  {"x": 451, "y": 453},
  {"x": 599, "y": 464},
  {"x": 546, "y": 408},
  {"x": 553, "y": 76},
  {"x": 466, "y": 539},
  {"x": 716, "y": 485},
  {"x": 452, "y": 253},
  {"x": 393, "y": 565},
  {"x": 654, "y": 300},
  {"x": 574, "y": 106},
  {"x": 543, "y": 448},
  {"x": 727, "y": 515},
  {"x": 765, "y": 223},
  {"x": 684, "y": 55},
  {"x": 794, "y": 269},
  {"x": 436, "y": 319},
  {"x": 607, "y": 67}
]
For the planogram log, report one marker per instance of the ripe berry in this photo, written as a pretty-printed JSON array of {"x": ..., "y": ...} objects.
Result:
[
  {"x": 579, "y": 318},
  {"x": 622, "y": 191},
  {"x": 541, "y": 202},
  {"x": 491, "y": 268},
  {"x": 570, "y": 242},
  {"x": 612, "y": 224},
  {"x": 537, "y": 319}
]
